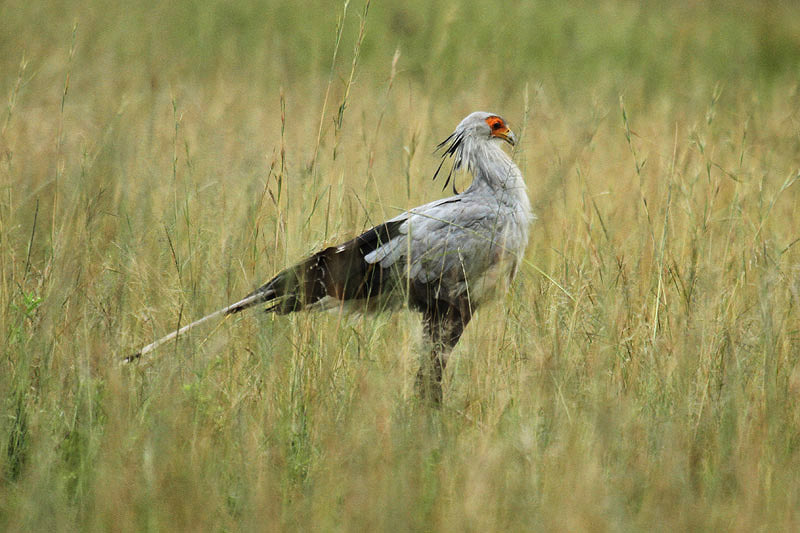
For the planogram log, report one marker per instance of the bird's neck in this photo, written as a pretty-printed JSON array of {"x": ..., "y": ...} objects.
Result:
[{"x": 493, "y": 169}]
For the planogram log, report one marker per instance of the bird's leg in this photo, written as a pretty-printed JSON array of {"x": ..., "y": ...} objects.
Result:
[
  {"x": 429, "y": 376},
  {"x": 443, "y": 326}
]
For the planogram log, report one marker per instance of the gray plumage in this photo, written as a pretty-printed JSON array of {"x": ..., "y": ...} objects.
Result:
[{"x": 443, "y": 259}]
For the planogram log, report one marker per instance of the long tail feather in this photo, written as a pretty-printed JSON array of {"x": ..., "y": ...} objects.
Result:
[{"x": 253, "y": 299}]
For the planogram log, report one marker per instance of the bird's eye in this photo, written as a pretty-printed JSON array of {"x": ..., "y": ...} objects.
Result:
[{"x": 497, "y": 125}]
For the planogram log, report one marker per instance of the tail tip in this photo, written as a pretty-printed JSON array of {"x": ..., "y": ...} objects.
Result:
[{"x": 131, "y": 358}]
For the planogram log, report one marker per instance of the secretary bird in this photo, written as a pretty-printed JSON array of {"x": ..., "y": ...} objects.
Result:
[{"x": 442, "y": 259}]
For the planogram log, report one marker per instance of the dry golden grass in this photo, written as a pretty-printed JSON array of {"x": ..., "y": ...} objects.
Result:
[{"x": 157, "y": 162}]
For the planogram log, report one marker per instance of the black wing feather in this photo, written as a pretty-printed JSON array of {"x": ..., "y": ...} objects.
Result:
[{"x": 338, "y": 271}]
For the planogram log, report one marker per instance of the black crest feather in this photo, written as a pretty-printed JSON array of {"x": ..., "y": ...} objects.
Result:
[{"x": 451, "y": 148}]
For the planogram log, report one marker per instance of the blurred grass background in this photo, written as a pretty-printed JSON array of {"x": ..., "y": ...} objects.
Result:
[{"x": 158, "y": 160}]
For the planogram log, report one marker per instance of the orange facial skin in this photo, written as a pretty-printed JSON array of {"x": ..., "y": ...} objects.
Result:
[{"x": 500, "y": 129}]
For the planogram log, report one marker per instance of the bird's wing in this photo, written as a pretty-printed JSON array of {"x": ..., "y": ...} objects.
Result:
[{"x": 453, "y": 239}]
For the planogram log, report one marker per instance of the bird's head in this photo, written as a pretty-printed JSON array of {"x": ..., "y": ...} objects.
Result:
[
  {"x": 481, "y": 125},
  {"x": 476, "y": 129}
]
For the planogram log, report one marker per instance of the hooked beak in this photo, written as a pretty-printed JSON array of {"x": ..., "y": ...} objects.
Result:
[{"x": 507, "y": 135}]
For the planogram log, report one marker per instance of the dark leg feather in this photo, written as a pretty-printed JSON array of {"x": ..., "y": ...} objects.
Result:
[{"x": 443, "y": 325}]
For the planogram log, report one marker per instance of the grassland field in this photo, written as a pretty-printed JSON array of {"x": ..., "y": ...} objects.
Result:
[{"x": 159, "y": 160}]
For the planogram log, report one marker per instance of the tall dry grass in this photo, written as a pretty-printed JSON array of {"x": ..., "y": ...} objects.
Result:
[{"x": 157, "y": 162}]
